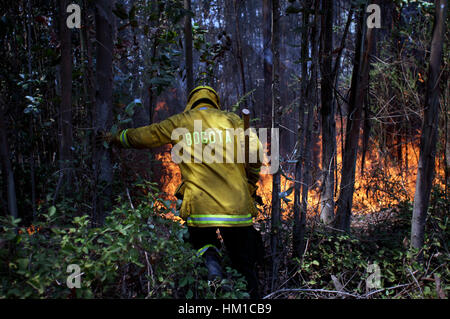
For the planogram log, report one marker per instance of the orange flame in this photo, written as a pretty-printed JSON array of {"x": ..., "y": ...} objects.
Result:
[
  {"x": 161, "y": 105},
  {"x": 30, "y": 230},
  {"x": 169, "y": 181},
  {"x": 421, "y": 78},
  {"x": 384, "y": 183}
]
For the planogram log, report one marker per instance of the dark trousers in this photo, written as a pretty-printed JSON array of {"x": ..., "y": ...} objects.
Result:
[{"x": 241, "y": 244}]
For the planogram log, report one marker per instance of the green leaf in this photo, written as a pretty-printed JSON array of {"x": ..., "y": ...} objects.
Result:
[
  {"x": 114, "y": 129},
  {"x": 134, "y": 254},
  {"x": 183, "y": 282},
  {"x": 51, "y": 211},
  {"x": 129, "y": 109},
  {"x": 23, "y": 263}
]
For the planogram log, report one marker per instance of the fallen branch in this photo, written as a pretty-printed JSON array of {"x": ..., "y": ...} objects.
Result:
[
  {"x": 334, "y": 292},
  {"x": 312, "y": 290},
  {"x": 439, "y": 289},
  {"x": 129, "y": 198},
  {"x": 415, "y": 280},
  {"x": 383, "y": 289}
]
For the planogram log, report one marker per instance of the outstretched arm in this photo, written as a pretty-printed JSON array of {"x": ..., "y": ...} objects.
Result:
[{"x": 149, "y": 136}]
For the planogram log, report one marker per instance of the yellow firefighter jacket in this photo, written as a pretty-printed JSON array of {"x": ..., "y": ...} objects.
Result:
[{"x": 217, "y": 186}]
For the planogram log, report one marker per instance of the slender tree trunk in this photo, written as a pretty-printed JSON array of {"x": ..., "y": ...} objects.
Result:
[
  {"x": 239, "y": 49},
  {"x": 154, "y": 51},
  {"x": 447, "y": 151},
  {"x": 188, "y": 48},
  {"x": 29, "y": 21},
  {"x": 103, "y": 109},
  {"x": 429, "y": 137},
  {"x": 360, "y": 79},
  {"x": 65, "y": 114},
  {"x": 328, "y": 114},
  {"x": 312, "y": 98},
  {"x": 336, "y": 104},
  {"x": 89, "y": 69},
  {"x": 268, "y": 62},
  {"x": 276, "y": 110},
  {"x": 337, "y": 62},
  {"x": 7, "y": 170},
  {"x": 298, "y": 230}
]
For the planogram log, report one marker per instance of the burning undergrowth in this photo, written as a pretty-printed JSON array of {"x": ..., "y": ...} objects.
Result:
[{"x": 382, "y": 184}]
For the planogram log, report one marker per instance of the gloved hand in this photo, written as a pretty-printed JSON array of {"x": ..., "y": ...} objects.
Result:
[{"x": 107, "y": 137}]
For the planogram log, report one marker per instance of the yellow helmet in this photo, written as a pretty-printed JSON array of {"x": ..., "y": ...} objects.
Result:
[{"x": 202, "y": 94}]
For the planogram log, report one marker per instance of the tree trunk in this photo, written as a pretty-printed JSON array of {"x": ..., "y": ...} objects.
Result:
[
  {"x": 29, "y": 21},
  {"x": 312, "y": 98},
  {"x": 154, "y": 51},
  {"x": 360, "y": 79},
  {"x": 302, "y": 168},
  {"x": 239, "y": 49},
  {"x": 103, "y": 108},
  {"x": 276, "y": 108},
  {"x": 267, "y": 47},
  {"x": 447, "y": 153},
  {"x": 65, "y": 114},
  {"x": 328, "y": 114},
  {"x": 7, "y": 170},
  {"x": 429, "y": 137},
  {"x": 188, "y": 48},
  {"x": 88, "y": 65},
  {"x": 336, "y": 103}
]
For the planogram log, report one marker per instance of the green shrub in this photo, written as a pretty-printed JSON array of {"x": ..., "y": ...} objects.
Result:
[
  {"x": 136, "y": 254},
  {"x": 346, "y": 257}
]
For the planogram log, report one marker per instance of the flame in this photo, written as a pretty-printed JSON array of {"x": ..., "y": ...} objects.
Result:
[
  {"x": 383, "y": 184},
  {"x": 161, "y": 105},
  {"x": 169, "y": 181},
  {"x": 170, "y": 173},
  {"x": 30, "y": 230},
  {"x": 160, "y": 111},
  {"x": 421, "y": 80}
]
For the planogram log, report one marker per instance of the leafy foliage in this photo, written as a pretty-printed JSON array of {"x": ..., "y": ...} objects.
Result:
[
  {"x": 136, "y": 254},
  {"x": 339, "y": 261}
]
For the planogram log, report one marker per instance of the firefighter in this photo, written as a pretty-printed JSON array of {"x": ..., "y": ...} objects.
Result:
[{"x": 216, "y": 195}]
